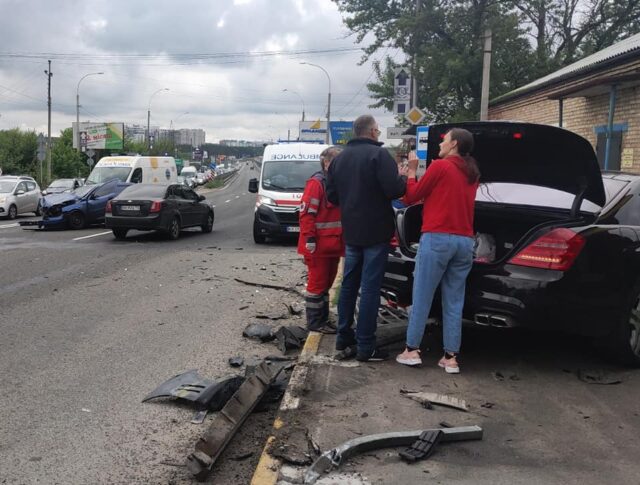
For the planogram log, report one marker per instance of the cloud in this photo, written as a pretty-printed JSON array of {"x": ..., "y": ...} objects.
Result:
[{"x": 235, "y": 92}]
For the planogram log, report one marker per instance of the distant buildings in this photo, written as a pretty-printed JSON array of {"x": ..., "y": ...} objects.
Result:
[
  {"x": 184, "y": 136},
  {"x": 241, "y": 143}
]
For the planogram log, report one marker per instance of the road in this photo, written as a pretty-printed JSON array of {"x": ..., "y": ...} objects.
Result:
[{"x": 90, "y": 325}]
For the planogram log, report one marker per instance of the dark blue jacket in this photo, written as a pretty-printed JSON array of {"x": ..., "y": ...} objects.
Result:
[{"x": 363, "y": 180}]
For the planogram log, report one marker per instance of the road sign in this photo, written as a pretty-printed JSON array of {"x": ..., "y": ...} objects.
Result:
[
  {"x": 90, "y": 152},
  {"x": 396, "y": 132},
  {"x": 42, "y": 152},
  {"x": 422, "y": 139},
  {"x": 90, "y": 162},
  {"x": 415, "y": 115},
  {"x": 401, "y": 90}
]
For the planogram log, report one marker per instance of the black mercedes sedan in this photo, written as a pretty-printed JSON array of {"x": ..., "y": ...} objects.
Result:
[
  {"x": 557, "y": 240},
  {"x": 153, "y": 207}
]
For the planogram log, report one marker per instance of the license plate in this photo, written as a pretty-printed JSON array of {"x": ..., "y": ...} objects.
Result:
[
  {"x": 293, "y": 228},
  {"x": 129, "y": 207}
]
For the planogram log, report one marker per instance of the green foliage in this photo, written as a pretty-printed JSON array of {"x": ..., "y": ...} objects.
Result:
[
  {"x": 18, "y": 152},
  {"x": 531, "y": 38},
  {"x": 67, "y": 162}
]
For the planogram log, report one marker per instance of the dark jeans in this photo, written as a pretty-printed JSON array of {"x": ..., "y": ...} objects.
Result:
[{"x": 363, "y": 270}]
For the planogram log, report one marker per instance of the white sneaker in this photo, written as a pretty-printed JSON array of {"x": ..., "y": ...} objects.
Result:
[
  {"x": 409, "y": 358},
  {"x": 450, "y": 366}
]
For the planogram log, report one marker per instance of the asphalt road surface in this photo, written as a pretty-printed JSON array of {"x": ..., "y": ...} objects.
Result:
[{"x": 90, "y": 325}]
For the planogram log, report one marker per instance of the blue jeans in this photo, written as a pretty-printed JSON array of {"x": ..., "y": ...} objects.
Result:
[
  {"x": 445, "y": 260},
  {"x": 363, "y": 270}
]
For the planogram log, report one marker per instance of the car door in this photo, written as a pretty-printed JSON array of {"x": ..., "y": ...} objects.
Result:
[
  {"x": 197, "y": 210},
  {"x": 189, "y": 207},
  {"x": 22, "y": 197},
  {"x": 97, "y": 201},
  {"x": 33, "y": 196},
  {"x": 181, "y": 204}
]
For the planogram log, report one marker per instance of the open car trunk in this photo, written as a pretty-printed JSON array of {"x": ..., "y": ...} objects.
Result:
[{"x": 500, "y": 230}]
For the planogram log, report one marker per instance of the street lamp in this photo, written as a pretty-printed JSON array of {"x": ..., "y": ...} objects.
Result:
[
  {"x": 285, "y": 90},
  {"x": 78, "y": 105},
  {"x": 149, "y": 116},
  {"x": 328, "y": 98}
]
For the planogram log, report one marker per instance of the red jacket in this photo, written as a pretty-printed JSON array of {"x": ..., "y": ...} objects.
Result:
[
  {"x": 449, "y": 198},
  {"x": 319, "y": 219}
]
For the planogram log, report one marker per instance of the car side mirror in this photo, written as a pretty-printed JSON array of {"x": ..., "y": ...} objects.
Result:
[
  {"x": 20, "y": 192},
  {"x": 253, "y": 186},
  {"x": 201, "y": 198}
]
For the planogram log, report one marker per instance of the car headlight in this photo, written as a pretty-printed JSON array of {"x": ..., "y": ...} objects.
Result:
[{"x": 265, "y": 200}]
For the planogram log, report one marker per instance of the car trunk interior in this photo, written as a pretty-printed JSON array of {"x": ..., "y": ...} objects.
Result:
[{"x": 500, "y": 229}]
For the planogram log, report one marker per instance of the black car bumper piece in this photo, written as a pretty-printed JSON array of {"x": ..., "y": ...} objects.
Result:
[{"x": 155, "y": 222}]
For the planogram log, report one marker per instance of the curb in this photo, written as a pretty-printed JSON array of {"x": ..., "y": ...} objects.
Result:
[{"x": 268, "y": 469}]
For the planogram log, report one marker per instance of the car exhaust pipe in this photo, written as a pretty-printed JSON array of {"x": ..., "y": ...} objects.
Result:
[{"x": 490, "y": 320}]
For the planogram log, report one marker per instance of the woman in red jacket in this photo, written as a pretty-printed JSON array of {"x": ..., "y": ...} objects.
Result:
[
  {"x": 321, "y": 244},
  {"x": 445, "y": 254}
]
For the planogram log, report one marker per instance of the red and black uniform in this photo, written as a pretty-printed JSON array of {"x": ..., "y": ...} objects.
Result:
[{"x": 320, "y": 225}]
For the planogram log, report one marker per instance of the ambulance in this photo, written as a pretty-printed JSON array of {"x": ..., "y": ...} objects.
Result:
[
  {"x": 135, "y": 169},
  {"x": 285, "y": 170}
]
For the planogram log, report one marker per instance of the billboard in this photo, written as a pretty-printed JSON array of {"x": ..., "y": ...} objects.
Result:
[
  {"x": 316, "y": 131},
  {"x": 99, "y": 136},
  {"x": 341, "y": 132}
]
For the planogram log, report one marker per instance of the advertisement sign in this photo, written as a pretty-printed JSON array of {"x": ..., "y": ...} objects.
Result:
[
  {"x": 422, "y": 140},
  {"x": 99, "y": 136},
  {"x": 313, "y": 131},
  {"x": 341, "y": 132}
]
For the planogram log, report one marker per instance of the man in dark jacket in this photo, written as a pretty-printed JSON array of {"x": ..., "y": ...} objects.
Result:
[{"x": 363, "y": 180}]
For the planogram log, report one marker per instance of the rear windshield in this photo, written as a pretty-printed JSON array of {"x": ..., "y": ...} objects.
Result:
[
  {"x": 102, "y": 174},
  {"x": 530, "y": 195},
  {"x": 144, "y": 190},
  {"x": 288, "y": 176}
]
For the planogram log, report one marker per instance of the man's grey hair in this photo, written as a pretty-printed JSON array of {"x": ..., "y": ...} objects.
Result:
[
  {"x": 329, "y": 154},
  {"x": 363, "y": 124}
]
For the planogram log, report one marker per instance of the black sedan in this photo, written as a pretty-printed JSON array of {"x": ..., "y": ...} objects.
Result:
[
  {"x": 557, "y": 241},
  {"x": 152, "y": 207}
]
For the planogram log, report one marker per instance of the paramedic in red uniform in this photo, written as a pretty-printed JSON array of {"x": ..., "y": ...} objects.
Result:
[{"x": 321, "y": 244}]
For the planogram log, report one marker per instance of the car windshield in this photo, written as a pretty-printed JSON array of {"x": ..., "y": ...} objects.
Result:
[
  {"x": 6, "y": 187},
  {"x": 61, "y": 184},
  {"x": 102, "y": 174},
  {"x": 288, "y": 176},
  {"x": 518, "y": 194}
]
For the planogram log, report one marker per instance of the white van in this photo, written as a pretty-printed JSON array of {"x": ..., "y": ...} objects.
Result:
[
  {"x": 285, "y": 170},
  {"x": 190, "y": 174},
  {"x": 137, "y": 169}
]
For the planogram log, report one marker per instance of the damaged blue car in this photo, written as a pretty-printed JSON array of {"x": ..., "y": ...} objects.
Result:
[{"x": 80, "y": 208}]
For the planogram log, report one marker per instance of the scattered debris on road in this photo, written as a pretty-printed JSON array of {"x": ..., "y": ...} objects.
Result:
[
  {"x": 429, "y": 398},
  {"x": 598, "y": 376},
  {"x": 272, "y": 287},
  {"x": 333, "y": 458},
  {"x": 198, "y": 418},
  {"x": 423, "y": 447},
  {"x": 236, "y": 361},
  {"x": 292, "y": 337},
  {"x": 259, "y": 331}
]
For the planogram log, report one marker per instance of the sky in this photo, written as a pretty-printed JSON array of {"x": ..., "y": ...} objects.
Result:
[{"x": 225, "y": 64}]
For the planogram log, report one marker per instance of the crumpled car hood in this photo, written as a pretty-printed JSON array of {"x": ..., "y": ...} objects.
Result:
[{"x": 55, "y": 199}]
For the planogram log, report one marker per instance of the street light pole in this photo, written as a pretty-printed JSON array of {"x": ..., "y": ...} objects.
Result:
[
  {"x": 285, "y": 90},
  {"x": 149, "y": 117},
  {"x": 173, "y": 133},
  {"x": 49, "y": 75},
  {"x": 78, "y": 106},
  {"x": 328, "y": 137}
]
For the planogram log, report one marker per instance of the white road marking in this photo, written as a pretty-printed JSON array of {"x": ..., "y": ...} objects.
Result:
[
  {"x": 227, "y": 201},
  {"x": 237, "y": 196},
  {"x": 9, "y": 225},
  {"x": 92, "y": 235}
]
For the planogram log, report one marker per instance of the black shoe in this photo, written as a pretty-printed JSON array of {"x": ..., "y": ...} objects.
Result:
[
  {"x": 341, "y": 347},
  {"x": 377, "y": 355},
  {"x": 346, "y": 353}
]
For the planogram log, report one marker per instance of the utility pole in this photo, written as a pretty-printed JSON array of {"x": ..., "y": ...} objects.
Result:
[
  {"x": 486, "y": 71},
  {"x": 414, "y": 80},
  {"x": 49, "y": 74}
]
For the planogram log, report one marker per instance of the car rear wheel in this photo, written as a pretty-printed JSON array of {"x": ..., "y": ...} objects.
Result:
[
  {"x": 257, "y": 237},
  {"x": 624, "y": 343},
  {"x": 174, "y": 228},
  {"x": 13, "y": 212},
  {"x": 208, "y": 226},
  {"x": 76, "y": 220},
  {"x": 120, "y": 234}
]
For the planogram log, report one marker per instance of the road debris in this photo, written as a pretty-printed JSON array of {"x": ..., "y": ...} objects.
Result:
[
  {"x": 500, "y": 376},
  {"x": 598, "y": 376},
  {"x": 292, "y": 337},
  {"x": 259, "y": 331},
  {"x": 272, "y": 287},
  {"x": 198, "y": 418},
  {"x": 242, "y": 456},
  {"x": 429, "y": 398},
  {"x": 423, "y": 447},
  {"x": 228, "y": 421},
  {"x": 335, "y": 457},
  {"x": 236, "y": 361},
  {"x": 205, "y": 393}
]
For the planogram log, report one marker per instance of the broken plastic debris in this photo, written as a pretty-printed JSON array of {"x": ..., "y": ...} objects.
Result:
[
  {"x": 259, "y": 331},
  {"x": 428, "y": 398}
]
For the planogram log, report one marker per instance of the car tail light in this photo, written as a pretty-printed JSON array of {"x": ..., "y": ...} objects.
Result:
[
  {"x": 517, "y": 136},
  {"x": 394, "y": 241},
  {"x": 556, "y": 250},
  {"x": 156, "y": 205},
  {"x": 107, "y": 209}
]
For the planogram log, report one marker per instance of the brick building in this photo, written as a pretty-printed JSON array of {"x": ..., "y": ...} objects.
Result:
[{"x": 597, "y": 97}]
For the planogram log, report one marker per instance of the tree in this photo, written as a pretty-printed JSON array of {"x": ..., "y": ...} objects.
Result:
[
  {"x": 18, "y": 152},
  {"x": 66, "y": 162},
  {"x": 444, "y": 40}
]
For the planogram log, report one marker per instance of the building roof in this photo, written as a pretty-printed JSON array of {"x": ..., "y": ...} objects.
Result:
[{"x": 589, "y": 63}]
